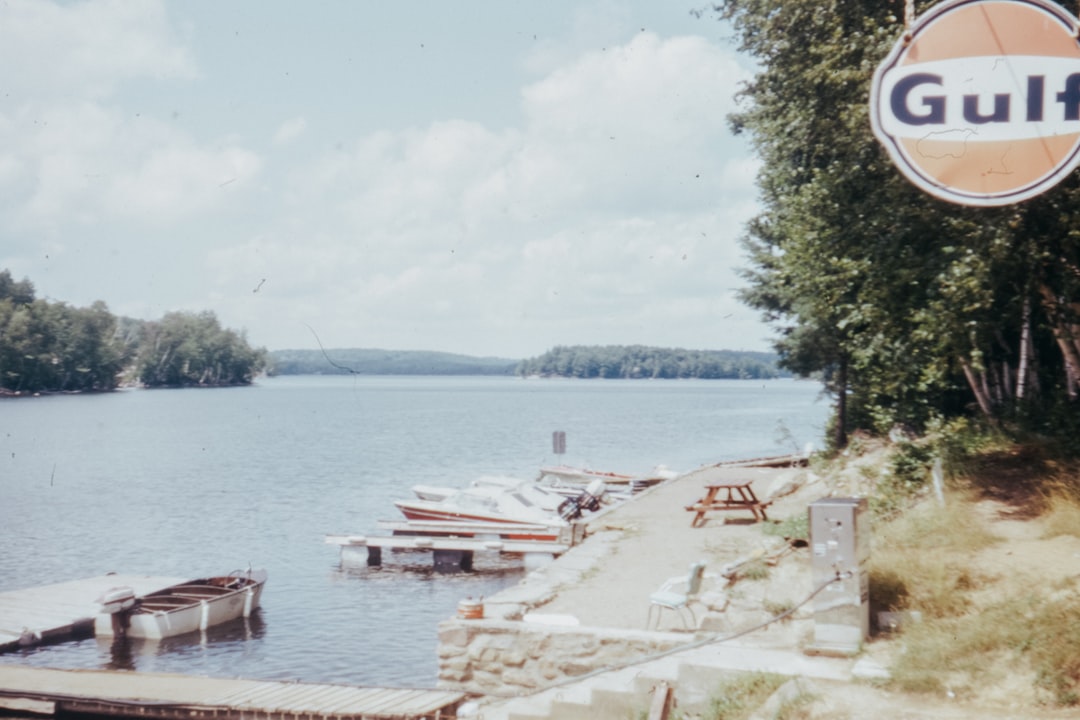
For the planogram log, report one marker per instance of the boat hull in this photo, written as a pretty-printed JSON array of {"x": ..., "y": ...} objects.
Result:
[
  {"x": 427, "y": 511},
  {"x": 185, "y": 608}
]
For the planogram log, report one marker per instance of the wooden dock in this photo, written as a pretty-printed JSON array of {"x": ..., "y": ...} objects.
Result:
[
  {"x": 51, "y": 613},
  {"x": 174, "y": 697},
  {"x": 448, "y": 553}
]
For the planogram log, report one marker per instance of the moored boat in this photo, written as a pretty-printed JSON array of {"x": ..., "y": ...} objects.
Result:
[
  {"x": 521, "y": 502},
  {"x": 190, "y": 606},
  {"x": 635, "y": 483}
]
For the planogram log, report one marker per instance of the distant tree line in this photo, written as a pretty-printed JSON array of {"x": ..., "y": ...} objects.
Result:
[
  {"x": 384, "y": 362},
  {"x": 54, "y": 347},
  {"x": 639, "y": 361}
]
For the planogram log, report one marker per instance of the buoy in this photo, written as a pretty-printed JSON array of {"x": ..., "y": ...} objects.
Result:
[{"x": 469, "y": 609}]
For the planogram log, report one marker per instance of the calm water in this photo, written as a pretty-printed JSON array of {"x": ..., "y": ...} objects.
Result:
[{"x": 198, "y": 482}]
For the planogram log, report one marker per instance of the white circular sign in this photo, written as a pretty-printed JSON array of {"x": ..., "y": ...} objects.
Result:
[{"x": 980, "y": 103}]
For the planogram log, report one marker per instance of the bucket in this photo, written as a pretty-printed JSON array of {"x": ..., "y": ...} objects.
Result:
[{"x": 469, "y": 609}]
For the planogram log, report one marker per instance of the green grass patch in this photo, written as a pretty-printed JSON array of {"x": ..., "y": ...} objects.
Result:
[
  {"x": 795, "y": 527},
  {"x": 739, "y": 696}
]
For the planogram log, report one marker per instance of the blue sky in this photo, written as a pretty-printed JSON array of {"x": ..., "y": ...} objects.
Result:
[{"x": 488, "y": 178}]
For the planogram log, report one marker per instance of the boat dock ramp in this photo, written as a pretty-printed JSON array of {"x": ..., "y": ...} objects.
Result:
[
  {"x": 453, "y": 544},
  {"x": 61, "y": 611},
  {"x": 47, "y": 691}
]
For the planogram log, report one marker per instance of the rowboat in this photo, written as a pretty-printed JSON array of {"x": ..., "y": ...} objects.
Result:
[{"x": 190, "y": 606}]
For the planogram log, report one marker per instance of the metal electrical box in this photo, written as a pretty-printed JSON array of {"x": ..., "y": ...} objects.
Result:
[{"x": 840, "y": 545}]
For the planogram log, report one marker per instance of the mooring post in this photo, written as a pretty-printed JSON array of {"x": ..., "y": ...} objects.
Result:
[
  {"x": 453, "y": 560},
  {"x": 374, "y": 555}
]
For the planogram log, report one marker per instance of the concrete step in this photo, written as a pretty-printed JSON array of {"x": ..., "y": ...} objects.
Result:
[{"x": 693, "y": 675}]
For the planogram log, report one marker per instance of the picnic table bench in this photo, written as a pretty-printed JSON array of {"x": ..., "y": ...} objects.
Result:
[{"x": 728, "y": 496}]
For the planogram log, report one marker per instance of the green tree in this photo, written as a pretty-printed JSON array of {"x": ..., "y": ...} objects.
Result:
[
  {"x": 911, "y": 308},
  {"x": 186, "y": 350}
]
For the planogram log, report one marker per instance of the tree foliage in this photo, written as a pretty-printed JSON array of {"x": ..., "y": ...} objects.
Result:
[
  {"x": 54, "y": 347},
  {"x": 912, "y": 308},
  {"x": 361, "y": 361},
  {"x": 638, "y": 361},
  {"x": 189, "y": 349}
]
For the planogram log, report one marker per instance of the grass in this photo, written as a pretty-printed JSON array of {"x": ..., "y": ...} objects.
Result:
[
  {"x": 918, "y": 561},
  {"x": 739, "y": 696},
  {"x": 981, "y": 630},
  {"x": 1062, "y": 515}
]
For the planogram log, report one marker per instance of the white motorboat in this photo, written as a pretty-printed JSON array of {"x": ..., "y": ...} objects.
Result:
[
  {"x": 634, "y": 483},
  {"x": 505, "y": 501},
  {"x": 187, "y": 607}
]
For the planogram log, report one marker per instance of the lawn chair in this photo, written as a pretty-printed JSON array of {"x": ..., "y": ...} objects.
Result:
[{"x": 669, "y": 597}]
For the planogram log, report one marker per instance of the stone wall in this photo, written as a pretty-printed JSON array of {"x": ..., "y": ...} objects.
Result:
[{"x": 506, "y": 657}]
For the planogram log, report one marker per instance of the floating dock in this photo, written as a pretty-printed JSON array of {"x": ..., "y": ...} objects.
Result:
[
  {"x": 453, "y": 543},
  {"x": 448, "y": 553},
  {"x": 48, "y": 691},
  {"x": 52, "y": 613}
]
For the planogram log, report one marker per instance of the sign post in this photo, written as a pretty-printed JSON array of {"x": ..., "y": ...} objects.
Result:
[
  {"x": 979, "y": 104},
  {"x": 558, "y": 442}
]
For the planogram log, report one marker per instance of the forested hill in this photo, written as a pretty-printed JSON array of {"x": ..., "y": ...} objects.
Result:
[
  {"x": 581, "y": 361},
  {"x": 638, "y": 361},
  {"x": 384, "y": 362}
]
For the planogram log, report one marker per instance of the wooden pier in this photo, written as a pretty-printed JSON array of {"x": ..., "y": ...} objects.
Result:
[
  {"x": 453, "y": 544},
  {"x": 48, "y": 691},
  {"x": 52, "y": 613}
]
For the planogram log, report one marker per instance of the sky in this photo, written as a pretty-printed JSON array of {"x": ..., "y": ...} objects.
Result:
[{"x": 479, "y": 176}]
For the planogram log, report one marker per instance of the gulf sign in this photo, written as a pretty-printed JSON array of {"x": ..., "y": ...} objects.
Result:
[{"x": 980, "y": 103}]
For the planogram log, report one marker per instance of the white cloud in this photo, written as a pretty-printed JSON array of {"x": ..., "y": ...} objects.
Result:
[
  {"x": 86, "y": 49},
  {"x": 290, "y": 130},
  {"x": 613, "y": 211},
  {"x": 609, "y": 215}
]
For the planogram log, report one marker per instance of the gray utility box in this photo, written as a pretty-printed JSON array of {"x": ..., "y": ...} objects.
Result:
[{"x": 840, "y": 545}]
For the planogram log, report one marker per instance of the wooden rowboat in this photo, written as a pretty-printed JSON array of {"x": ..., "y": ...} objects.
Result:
[{"x": 187, "y": 607}]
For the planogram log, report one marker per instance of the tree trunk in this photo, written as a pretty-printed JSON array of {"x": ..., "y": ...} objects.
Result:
[
  {"x": 1064, "y": 339},
  {"x": 977, "y": 388},
  {"x": 1025, "y": 342},
  {"x": 840, "y": 438}
]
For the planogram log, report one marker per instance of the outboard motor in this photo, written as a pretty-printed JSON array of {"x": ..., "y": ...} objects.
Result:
[
  {"x": 569, "y": 509},
  {"x": 590, "y": 499},
  {"x": 118, "y": 602}
]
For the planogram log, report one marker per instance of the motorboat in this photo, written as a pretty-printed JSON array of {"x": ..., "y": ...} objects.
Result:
[
  {"x": 633, "y": 483},
  {"x": 499, "y": 483},
  {"x": 187, "y": 607},
  {"x": 506, "y": 501}
]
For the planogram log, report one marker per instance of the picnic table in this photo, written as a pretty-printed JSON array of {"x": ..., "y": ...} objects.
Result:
[{"x": 728, "y": 496}]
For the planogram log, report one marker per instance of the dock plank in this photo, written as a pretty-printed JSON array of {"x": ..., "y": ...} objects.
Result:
[
  {"x": 54, "y": 611},
  {"x": 154, "y": 695}
]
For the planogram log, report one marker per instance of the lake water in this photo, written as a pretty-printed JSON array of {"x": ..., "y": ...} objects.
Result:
[{"x": 200, "y": 482}]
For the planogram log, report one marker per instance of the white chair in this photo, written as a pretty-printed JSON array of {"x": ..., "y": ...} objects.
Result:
[{"x": 670, "y": 597}]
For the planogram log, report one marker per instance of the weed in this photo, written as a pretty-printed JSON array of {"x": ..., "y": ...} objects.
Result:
[
  {"x": 1062, "y": 515},
  {"x": 959, "y": 652},
  {"x": 737, "y": 697},
  {"x": 914, "y": 564},
  {"x": 795, "y": 708},
  {"x": 755, "y": 569},
  {"x": 795, "y": 527},
  {"x": 777, "y": 608}
]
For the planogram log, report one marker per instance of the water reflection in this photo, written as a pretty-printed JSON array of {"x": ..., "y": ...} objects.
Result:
[{"x": 128, "y": 653}]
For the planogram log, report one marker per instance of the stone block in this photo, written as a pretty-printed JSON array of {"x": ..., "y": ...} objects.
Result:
[
  {"x": 521, "y": 678},
  {"x": 454, "y": 633}
]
